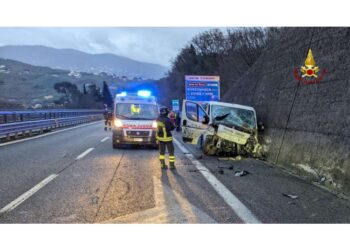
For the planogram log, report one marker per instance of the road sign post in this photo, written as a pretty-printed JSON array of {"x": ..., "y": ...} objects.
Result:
[{"x": 175, "y": 105}]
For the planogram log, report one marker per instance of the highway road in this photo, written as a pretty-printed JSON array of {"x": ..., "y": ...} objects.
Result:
[{"x": 75, "y": 176}]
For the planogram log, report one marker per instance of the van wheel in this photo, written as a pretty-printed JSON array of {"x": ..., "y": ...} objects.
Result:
[{"x": 209, "y": 147}]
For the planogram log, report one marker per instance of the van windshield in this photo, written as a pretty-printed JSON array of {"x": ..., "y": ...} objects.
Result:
[
  {"x": 230, "y": 116},
  {"x": 136, "y": 111}
]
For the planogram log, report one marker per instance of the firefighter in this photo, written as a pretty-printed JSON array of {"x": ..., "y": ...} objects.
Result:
[
  {"x": 108, "y": 116},
  {"x": 165, "y": 139}
]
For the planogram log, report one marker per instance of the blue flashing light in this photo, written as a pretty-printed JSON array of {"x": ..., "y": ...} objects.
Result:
[
  {"x": 144, "y": 93},
  {"x": 122, "y": 94}
]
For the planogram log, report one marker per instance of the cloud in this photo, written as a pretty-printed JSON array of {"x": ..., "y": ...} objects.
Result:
[{"x": 156, "y": 45}]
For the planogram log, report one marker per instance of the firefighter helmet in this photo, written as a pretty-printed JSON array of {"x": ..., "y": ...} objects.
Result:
[{"x": 164, "y": 111}]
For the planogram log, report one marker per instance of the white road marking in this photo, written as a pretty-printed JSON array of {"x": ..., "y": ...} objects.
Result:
[
  {"x": 46, "y": 134},
  {"x": 84, "y": 153},
  {"x": 104, "y": 139},
  {"x": 27, "y": 194},
  {"x": 237, "y": 206}
]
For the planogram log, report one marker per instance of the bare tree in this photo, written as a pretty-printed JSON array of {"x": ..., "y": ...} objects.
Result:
[{"x": 228, "y": 54}]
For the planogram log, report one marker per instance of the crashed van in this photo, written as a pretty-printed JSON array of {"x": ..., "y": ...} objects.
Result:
[{"x": 221, "y": 128}]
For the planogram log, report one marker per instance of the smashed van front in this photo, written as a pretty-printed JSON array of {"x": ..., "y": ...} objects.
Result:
[{"x": 221, "y": 128}]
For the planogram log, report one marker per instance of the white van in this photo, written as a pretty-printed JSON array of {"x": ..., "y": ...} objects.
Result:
[{"x": 221, "y": 128}]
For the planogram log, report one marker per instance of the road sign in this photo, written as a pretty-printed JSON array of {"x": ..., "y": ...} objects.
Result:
[
  {"x": 202, "y": 88},
  {"x": 175, "y": 105}
]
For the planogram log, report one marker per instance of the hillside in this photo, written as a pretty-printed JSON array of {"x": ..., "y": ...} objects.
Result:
[
  {"x": 29, "y": 85},
  {"x": 70, "y": 59},
  {"x": 307, "y": 125}
]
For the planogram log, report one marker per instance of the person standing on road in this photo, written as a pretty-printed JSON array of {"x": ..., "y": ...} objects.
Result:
[
  {"x": 172, "y": 117},
  {"x": 178, "y": 121},
  {"x": 108, "y": 115},
  {"x": 165, "y": 139}
]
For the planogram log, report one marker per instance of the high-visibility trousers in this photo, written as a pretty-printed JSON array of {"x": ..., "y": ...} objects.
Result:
[{"x": 170, "y": 147}]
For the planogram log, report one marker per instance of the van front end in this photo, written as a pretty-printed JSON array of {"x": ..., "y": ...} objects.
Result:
[
  {"x": 135, "y": 116},
  {"x": 134, "y": 132}
]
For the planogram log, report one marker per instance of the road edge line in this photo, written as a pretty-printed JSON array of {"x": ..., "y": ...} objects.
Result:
[
  {"x": 232, "y": 201},
  {"x": 18, "y": 201}
]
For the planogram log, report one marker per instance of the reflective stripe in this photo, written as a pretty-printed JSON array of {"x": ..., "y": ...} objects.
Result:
[
  {"x": 161, "y": 157},
  {"x": 162, "y": 139},
  {"x": 171, "y": 158},
  {"x": 164, "y": 133},
  {"x": 160, "y": 124}
]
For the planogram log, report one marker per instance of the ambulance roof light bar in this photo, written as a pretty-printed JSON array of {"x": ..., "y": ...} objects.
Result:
[
  {"x": 122, "y": 94},
  {"x": 144, "y": 93}
]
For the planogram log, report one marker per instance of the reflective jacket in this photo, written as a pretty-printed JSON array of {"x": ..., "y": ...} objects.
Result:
[{"x": 164, "y": 128}]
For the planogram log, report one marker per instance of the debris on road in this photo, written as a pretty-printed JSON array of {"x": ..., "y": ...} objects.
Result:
[
  {"x": 199, "y": 157},
  {"x": 221, "y": 168},
  {"x": 291, "y": 196},
  {"x": 241, "y": 173},
  {"x": 321, "y": 181},
  {"x": 237, "y": 158},
  {"x": 225, "y": 167},
  {"x": 196, "y": 170}
]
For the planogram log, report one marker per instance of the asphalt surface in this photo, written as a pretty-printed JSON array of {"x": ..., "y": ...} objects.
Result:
[{"x": 106, "y": 185}]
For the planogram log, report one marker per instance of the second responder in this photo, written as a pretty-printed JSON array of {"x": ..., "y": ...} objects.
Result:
[
  {"x": 172, "y": 117},
  {"x": 165, "y": 139},
  {"x": 108, "y": 115}
]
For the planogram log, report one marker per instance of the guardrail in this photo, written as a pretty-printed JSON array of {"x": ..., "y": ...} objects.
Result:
[{"x": 25, "y": 122}]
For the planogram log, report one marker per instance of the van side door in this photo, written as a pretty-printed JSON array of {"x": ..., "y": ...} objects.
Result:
[{"x": 194, "y": 121}]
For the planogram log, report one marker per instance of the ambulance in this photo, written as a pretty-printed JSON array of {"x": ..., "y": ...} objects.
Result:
[{"x": 134, "y": 119}]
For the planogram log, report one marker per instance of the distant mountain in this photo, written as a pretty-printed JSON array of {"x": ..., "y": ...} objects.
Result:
[
  {"x": 70, "y": 59},
  {"x": 29, "y": 85},
  {"x": 22, "y": 84}
]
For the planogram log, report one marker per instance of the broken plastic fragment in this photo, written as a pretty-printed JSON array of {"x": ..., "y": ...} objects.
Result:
[
  {"x": 291, "y": 196},
  {"x": 241, "y": 173}
]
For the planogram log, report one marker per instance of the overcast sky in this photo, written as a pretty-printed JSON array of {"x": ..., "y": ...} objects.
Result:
[{"x": 155, "y": 45}]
